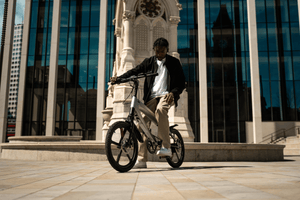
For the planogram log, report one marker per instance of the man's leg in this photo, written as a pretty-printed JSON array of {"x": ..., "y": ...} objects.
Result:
[
  {"x": 162, "y": 117},
  {"x": 143, "y": 152}
]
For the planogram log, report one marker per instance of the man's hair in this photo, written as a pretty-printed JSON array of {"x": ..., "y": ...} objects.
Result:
[{"x": 162, "y": 42}]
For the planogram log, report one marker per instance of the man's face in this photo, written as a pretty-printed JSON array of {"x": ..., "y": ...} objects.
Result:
[{"x": 160, "y": 52}]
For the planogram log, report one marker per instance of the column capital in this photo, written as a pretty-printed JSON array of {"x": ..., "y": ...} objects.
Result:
[
  {"x": 118, "y": 32},
  {"x": 174, "y": 20},
  {"x": 178, "y": 5},
  {"x": 128, "y": 15}
]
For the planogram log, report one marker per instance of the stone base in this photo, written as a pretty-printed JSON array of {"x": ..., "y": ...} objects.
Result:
[{"x": 95, "y": 151}]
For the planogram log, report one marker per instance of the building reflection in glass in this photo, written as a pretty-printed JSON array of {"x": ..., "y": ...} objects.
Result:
[
  {"x": 188, "y": 50},
  {"x": 228, "y": 70},
  {"x": 78, "y": 69},
  {"x": 279, "y": 58},
  {"x": 37, "y": 73}
]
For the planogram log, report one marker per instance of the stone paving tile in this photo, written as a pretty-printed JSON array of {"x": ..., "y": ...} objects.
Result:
[{"x": 36, "y": 180}]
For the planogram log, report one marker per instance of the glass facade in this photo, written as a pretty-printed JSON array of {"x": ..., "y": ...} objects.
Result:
[
  {"x": 188, "y": 50},
  {"x": 78, "y": 68},
  {"x": 228, "y": 70},
  {"x": 228, "y": 65},
  {"x": 110, "y": 40},
  {"x": 37, "y": 73},
  {"x": 279, "y": 59}
]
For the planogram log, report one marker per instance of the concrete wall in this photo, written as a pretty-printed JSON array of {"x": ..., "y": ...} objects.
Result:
[{"x": 273, "y": 130}]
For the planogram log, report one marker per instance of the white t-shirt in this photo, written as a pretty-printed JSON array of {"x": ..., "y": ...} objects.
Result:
[{"x": 160, "y": 82}]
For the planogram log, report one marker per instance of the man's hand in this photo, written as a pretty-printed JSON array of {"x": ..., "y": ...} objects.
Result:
[
  {"x": 113, "y": 79},
  {"x": 169, "y": 98}
]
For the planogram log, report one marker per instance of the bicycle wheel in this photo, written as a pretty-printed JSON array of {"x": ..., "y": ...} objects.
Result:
[
  {"x": 177, "y": 147},
  {"x": 121, "y": 147}
]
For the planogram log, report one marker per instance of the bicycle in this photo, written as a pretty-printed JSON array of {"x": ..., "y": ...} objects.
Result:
[{"x": 122, "y": 136}]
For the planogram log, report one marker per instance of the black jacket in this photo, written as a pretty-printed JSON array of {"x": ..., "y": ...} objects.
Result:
[{"x": 176, "y": 79}]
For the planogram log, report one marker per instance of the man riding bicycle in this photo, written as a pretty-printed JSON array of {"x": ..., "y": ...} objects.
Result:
[{"x": 160, "y": 93}]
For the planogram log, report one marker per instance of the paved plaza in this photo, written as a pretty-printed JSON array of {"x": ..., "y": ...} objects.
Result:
[{"x": 45, "y": 180}]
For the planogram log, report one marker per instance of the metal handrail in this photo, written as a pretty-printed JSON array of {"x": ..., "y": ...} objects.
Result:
[
  {"x": 275, "y": 135},
  {"x": 272, "y": 135}
]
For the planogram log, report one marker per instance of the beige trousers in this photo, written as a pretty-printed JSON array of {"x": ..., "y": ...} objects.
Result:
[{"x": 160, "y": 108}]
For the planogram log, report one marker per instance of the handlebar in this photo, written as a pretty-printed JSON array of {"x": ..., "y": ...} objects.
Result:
[{"x": 133, "y": 78}]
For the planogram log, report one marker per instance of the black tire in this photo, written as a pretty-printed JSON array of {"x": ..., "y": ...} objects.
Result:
[
  {"x": 121, "y": 151},
  {"x": 177, "y": 147}
]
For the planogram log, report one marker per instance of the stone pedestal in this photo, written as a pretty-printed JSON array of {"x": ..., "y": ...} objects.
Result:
[{"x": 106, "y": 113}]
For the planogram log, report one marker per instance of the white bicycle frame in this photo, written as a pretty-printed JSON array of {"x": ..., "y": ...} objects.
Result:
[{"x": 140, "y": 107}]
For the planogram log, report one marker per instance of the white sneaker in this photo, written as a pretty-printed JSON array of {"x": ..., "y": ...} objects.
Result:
[
  {"x": 164, "y": 152},
  {"x": 140, "y": 165}
]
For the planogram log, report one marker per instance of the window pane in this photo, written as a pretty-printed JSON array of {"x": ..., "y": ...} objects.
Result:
[
  {"x": 94, "y": 40},
  {"x": 83, "y": 72},
  {"x": 271, "y": 14},
  {"x": 71, "y": 42},
  {"x": 85, "y": 20},
  {"x": 296, "y": 61},
  {"x": 276, "y": 101},
  {"x": 284, "y": 8},
  {"x": 84, "y": 40},
  {"x": 63, "y": 40},
  {"x": 32, "y": 39},
  {"x": 290, "y": 100},
  {"x": 95, "y": 13},
  {"x": 288, "y": 66},
  {"x": 294, "y": 11},
  {"x": 214, "y": 10},
  {"x": 93, "y": 70},
  {"x": 262, "y": 37},
  {"x": 274, "y": 66},
  {"x": 34, "y": 14},
  {"x": 297, "y": 90},
  {"x": 260, "y": 11},
  {"x": 64, "y": 14},
  {"x": 286, "y": 36},
  {"x": 263, "y": 66},
  {"x": 295, "y": 36},
  {"x": 72, "y": 21},
  {"x": 272, "y": 37}
]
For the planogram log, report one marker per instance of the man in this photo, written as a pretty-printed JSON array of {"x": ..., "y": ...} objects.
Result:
[{"x": 160, "y": 93}]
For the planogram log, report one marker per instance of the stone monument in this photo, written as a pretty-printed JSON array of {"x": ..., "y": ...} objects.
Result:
[{"x": 138, "y": 23}]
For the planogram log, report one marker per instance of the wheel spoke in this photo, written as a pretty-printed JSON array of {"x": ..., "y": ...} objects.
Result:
[
  {"x": 127, "y": 154},
  {"x": 119, "y": 156},
  {"x": 177, "y": 155},
  {"x": 129, "y": 157}
]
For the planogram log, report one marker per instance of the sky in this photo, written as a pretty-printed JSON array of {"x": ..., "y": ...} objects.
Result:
[{"x": 19, "y": 13}]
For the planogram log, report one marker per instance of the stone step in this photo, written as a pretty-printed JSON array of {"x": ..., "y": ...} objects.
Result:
[
  {"x": 291, "y": 151},
  {"x": 292, "y": 146},
  {"x": 292, "y": 140}
]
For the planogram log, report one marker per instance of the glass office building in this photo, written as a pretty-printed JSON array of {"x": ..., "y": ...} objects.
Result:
[{"x": 227, "y": 58}]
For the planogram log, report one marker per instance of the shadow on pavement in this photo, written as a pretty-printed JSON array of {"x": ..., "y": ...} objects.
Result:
[{"x": 182, "y": 168}]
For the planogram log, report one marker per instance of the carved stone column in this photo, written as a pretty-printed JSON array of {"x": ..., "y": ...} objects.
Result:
[
  {"x": 173, "y": 36},
  {"x": 127, "y": 60},
  {"x": 121, "y": 92}
]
